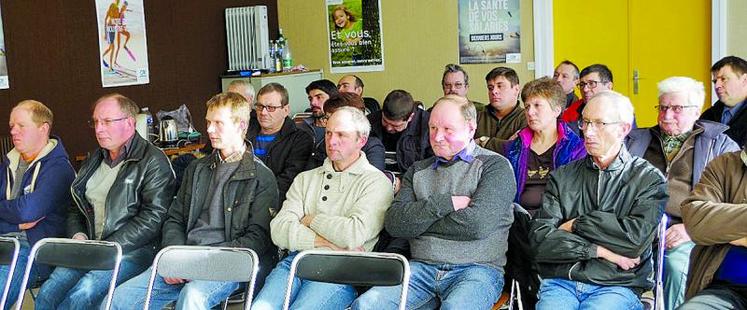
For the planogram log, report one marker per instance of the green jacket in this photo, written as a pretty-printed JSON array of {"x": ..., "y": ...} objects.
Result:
[
  {"x": 499, "y": 130},
  {"x": 250, "y": 197},
  {"x": 618, "y": 208}
]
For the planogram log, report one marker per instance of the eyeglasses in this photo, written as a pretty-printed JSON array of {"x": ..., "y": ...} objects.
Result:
[
  {"x": 269, "y": 108},
  {"x": 674, "y": 108},
  {"x": 591, "y": 83},
  {"x": 454, "y": 86},
  {"x": 105, "y": 122},
  {"x": 583, "y": 124}
]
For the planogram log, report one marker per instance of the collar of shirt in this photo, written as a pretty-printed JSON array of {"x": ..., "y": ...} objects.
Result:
[
  {"x": 729, "y": 112},
  {"x": 234, "y": 157},
  {"x": 466, "y": 155},
  {"x": 111, "y": 162}
]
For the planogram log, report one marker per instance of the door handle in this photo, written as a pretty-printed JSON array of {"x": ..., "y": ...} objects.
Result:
[{"x": 636, "y": 77}]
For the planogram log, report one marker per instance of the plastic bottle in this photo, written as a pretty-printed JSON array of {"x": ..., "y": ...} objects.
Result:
[
  {"x": 150, "y": 126},
  {"x": 273, "y": 55},
  {"x": 287, "y": 58},
  {"x": 278, "y": 59}
]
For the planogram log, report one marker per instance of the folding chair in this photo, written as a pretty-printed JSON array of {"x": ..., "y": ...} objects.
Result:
[
  {"x": 9, "y": 248},
  {"x": 207, "y": 264},
  {"x": 351, "y": 268},
  {"x": 76, "y": 254},
  {"x": 659, "y": 288}
]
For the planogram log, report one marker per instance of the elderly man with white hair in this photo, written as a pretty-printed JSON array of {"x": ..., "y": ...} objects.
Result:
[
  {"x": 598, "y": 218},
  {"x": 680, "y": 146}
]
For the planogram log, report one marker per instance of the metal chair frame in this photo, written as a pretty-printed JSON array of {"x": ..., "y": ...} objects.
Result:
[
  {"x": 404, "y": 281},
  {"x": 251, "y": 256},
  {"x": 10, "y": 261},
  {"x": 659, "y": 287},
  {"x": 71, "y": 242}
]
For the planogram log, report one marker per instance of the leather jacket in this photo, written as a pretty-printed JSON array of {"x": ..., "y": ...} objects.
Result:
[
  {"x": 618, "y": 208},
  {"x": 137, "y": 201}
]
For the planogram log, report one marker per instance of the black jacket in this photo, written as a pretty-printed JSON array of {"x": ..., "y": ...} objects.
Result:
[
  {"x": 413, "y": 144},
  {"x": 737, "y": 125},
  {"x": 287, "y": 155},
  {"x": 137, "y": 201},
  {"x": 618, "y": 208}
]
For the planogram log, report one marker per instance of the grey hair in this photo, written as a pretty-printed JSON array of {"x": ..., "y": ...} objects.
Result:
[
  {"x": 248, "y": 87},
  {"x": 621, "y": 105},
  {"x": 360, "y": 121},
  {"x": 694, "y": 90}
]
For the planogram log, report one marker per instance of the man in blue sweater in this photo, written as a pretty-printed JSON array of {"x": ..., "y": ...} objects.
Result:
[{"x": 35, "y": 190}]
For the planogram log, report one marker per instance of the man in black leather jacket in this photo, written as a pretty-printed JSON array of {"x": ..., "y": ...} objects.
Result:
[
  {"x": 592, "y": 237},
  {"x": 121, "y": 194}
]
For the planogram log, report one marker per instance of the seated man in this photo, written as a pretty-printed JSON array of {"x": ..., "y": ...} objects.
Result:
[
  {"x": 566, "y": 73},
  {"x": 276, "y": 140},
  {"x": 598, "y": 218},
  {"x": 715, "y": 216},
  {"x": 504, "y": 116},
  {"x": 730, "y": 84},
  {"x": 339, "y": 206},
  {"x": 35, "y": 189},
  {"x": 243, "y": 88},
  {"x": 455, "y": 209},
  {"x": 353, "y": 84},
  {"x": 403, "y": 128},
  {"x": 455, "y": 81},
  {"x": 319, "y": 92},
  {"x": 680, "y": 146},
  {"x": 121, "y": 195},
  {"x": 225, "y": 201},
  {"x": 593, "y": 79}
]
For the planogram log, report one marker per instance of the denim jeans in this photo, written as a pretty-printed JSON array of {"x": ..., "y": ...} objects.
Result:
[
  {"x": 676, "y": 263},
  {"x": 192, "y": 295},
  {"x": 467, "y": 286},
  {"x": 15, "y": 284},
  {"x": 69, "y": 288},
  {"x": 304, "y": 295},
  {"x": 559, "y": 294}
]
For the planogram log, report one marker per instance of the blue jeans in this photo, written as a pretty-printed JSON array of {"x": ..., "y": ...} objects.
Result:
[
  {"x": 676, "y": 263},
  {"x": 304, "y": 295},
  {"x": 467, "y": 286},
  {"x": 192, "y": 295},
  {"x": 69, "y": 288},
  {"x": 559, "y": 294},
  {"x": 15, "y": 283}
]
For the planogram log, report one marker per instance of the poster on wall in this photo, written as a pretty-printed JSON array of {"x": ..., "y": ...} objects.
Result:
[
  {"x": 122, "y": 43},
  {"x": 356, "y": 42},
  {"x": 489, "y": 31},
  {"x": 3, "y": 62}
]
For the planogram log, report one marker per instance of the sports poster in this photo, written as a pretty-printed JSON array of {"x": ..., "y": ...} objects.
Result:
[
  {"x": 3, "y": 62},
  {"x": 123, "y": 49},
  {"x": 489, "y": 31},
  {"x": 355, "y": 36}
]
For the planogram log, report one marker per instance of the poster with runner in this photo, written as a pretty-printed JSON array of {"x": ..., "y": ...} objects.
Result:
[
  {"x": 123, "y": 48},
  {"x": 355, "y": 35},
  {"x": 3, "y": 62}
]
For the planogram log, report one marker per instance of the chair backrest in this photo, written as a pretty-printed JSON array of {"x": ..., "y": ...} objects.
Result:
[
  {"x": 659, "y": 288},
  {"x": 208, "y": 264},
  {"x": 9, "y": 248},
  {"x": 351, "y": 268},
  {"x": 78, "y": 254}
]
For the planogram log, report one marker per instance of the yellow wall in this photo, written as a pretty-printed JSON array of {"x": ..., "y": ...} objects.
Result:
[
  {"x": 420, "y": 37},
  {"x": 736, "y": 28}
]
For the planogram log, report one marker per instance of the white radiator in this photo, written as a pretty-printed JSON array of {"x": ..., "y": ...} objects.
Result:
[{"x": 247, "y": 38}]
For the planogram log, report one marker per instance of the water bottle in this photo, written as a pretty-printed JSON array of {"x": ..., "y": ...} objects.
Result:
[
  {"x": 278, "y": 59},
  {"x": 287, "y": 58},
  {"x": 150, "y": 126},
  {"x": 273, "y": 55}
]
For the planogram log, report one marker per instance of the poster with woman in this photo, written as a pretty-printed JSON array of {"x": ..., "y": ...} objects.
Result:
[
  {"x": 489, "y": 31},
  {"x": 3, "y": 62},
  {"x": 122, "y": 44},
  {"x": 355, "y": 37}
]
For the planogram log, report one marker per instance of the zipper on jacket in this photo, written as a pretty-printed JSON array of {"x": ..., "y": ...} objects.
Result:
[{"x": 106, "y": 203}]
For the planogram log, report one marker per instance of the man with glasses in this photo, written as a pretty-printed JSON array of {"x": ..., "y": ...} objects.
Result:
[
  {"x": 121, "y": 194},
  {"x": 277, "y": 141},
  {"x": 594, "y": 79},
  {"x": 730, "y": 82},
  {"x": 599, "y": 216},
  {"x": 504, "y": 116},
  {"x": 403, "y": 128},
  {"x": 353, "y": 84},
  {"x": 455, "y": 81},
  {"x": 566, "y": 73},
  {"x": 680, "y": 146}
]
